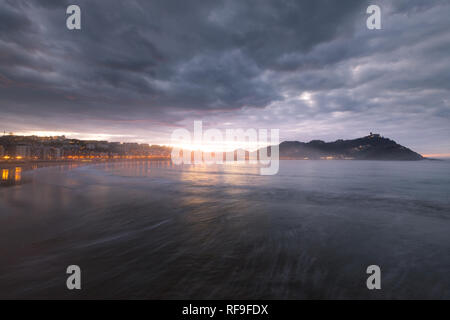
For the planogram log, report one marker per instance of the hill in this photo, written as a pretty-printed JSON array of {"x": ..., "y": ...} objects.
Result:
[{"x": 371, "y": 147}]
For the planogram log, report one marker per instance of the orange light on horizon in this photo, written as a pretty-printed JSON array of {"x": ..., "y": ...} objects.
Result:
[
  {"x": 5, "y": 174},
  {"x": 436, "y": 155}
]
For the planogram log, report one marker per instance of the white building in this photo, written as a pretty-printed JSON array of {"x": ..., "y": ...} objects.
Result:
[
  {"x": 50, "y": 153},
  {"x": 23, "y": 151}
]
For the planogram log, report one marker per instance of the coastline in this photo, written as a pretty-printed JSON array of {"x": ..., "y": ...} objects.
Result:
[{"x": 30, "y": 164}]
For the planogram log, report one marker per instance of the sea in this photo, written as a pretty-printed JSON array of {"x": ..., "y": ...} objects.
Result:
[{"x": 155, "y": 230}]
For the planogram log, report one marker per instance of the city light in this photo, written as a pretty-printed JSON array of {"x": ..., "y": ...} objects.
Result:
[{"x": 60, "y": 148}]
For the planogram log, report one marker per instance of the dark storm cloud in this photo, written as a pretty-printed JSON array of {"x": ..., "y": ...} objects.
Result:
[
  {"x": 299, "y": 64},
  {"x": 13, "y": 22},
  {"x": 192, "y": 54}
]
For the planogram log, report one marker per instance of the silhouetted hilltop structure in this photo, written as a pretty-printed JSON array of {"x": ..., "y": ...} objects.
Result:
[{"x": 371, "y": 147}]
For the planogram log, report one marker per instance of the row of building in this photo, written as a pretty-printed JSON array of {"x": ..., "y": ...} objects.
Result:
[
  {"x": 28, "y": 152},
  {"x": 54, "y": 148}
]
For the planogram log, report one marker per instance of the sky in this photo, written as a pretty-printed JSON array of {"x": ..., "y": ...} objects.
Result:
[{"x": 137, "y": 70}]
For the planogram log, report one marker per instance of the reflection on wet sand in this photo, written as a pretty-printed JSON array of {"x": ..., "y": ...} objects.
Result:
[
  {"x": 18, "y": 175},
  {"x": 139, "y": 168},
  {"x": 15, "y": 175},
  {"x": 5, "y": 174},
  {"x": 11, "y": 176},
  {"x": 194, "y": 175}
]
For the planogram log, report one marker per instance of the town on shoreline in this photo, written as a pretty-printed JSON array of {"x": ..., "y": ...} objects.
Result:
[{"x": 22, "y": 149}]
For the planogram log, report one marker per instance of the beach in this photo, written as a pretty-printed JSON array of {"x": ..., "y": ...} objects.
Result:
[{"x": 154, "y": 230}]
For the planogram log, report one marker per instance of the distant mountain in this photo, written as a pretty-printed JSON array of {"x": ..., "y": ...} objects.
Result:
[{"x": 371, "y": 147}]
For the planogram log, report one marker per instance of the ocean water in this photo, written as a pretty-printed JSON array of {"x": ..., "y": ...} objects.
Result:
[{"x": 152, "y": 230}]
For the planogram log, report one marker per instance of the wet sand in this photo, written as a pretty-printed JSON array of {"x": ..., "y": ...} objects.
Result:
[{"x": 149, "y": 230}]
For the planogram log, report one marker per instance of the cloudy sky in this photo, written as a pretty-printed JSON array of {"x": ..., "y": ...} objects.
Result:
[{"x": 139, "y": 69}]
